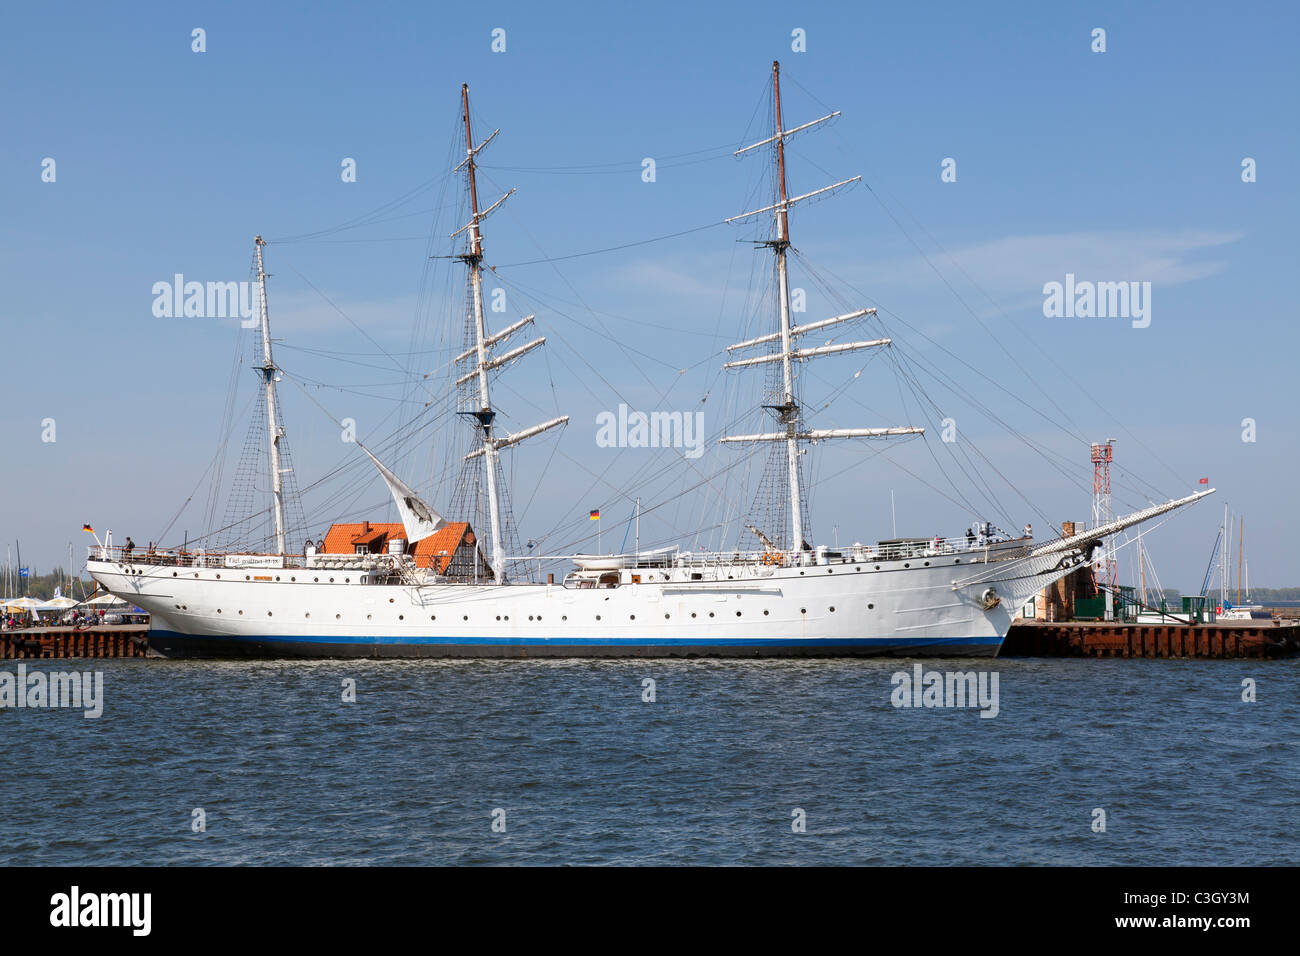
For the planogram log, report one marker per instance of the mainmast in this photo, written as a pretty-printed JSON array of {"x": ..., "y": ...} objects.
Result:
[
  {"x": 485, "y": 415},
  {"x": 787, "y": 412},
  {"x": 272, "y": 417},
  {"x": 474, "y": 259}
]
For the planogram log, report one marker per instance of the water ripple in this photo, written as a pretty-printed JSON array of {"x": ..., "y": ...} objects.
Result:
[{"x": 714, "y": 771}]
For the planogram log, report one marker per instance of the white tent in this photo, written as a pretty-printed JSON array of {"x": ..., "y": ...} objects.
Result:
[
  {"x": 23, "y": 604},
  {"x": 57, "y": 604},
  {"x": 104, "y": 600}
]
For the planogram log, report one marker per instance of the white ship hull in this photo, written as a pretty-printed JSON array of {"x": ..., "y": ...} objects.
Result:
[{"x": 942, "y": 604}]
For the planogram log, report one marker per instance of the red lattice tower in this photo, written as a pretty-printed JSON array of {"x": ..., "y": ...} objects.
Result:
[{"x": 1102, "y": 455}]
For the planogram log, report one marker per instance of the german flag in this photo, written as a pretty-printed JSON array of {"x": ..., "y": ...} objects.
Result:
[
  {"x": 86, "y": 527},
  {"x": 594, "y": 515}
]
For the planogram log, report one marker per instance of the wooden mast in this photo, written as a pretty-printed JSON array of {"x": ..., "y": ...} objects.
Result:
[
  {"x": 485, "y": 413},
  {"x": 491, "y": 445},
  {"x": 273, "y": 428},
  {"x": 789, "y": 411}
]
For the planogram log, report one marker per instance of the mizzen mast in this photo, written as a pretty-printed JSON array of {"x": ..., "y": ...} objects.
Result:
[
  {"x": 273, "y": 431},
  {"x": 788, "y": 412},
  {"x": 484, "y": 362}
]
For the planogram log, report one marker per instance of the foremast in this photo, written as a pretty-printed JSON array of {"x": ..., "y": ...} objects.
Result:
[
  {"x": 484, "y": 362},
  {"x": 788, "y": 412},
  {"x": 273, "y": 431}
]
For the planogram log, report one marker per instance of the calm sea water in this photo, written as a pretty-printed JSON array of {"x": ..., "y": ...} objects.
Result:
[{"x": 709, "y": 773}]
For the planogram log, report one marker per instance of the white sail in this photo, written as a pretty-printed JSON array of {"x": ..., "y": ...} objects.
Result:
[{"x": 418, "y": 519}]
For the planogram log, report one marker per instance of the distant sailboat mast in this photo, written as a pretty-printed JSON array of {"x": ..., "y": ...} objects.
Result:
[
  {"x": 787, "y": 412},
  {"x": 1241, "y": 550}
]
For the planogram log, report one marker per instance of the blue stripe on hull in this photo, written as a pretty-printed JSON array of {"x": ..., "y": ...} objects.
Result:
[{"x": 175, "y": 643}]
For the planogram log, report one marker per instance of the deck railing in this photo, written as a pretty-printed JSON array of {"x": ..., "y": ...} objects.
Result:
[
  {"x": 199, "y": 558},
  {"x": 884, "y": 551}
]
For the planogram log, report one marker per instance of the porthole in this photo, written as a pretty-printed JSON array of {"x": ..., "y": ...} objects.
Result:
[
  {"x": 367, "y": 617},
  {"x": 665, "y": 617},
  {"x": 390, "y": 600},
  {"x": 801, "y": 574},
  {"x": 317, "y": 580},
  {"x": 307, "y": 615},
  {"x": 345, "y": 580},
  {"x": 338, "y": 617},
  {"x": 530, "y": 617},
  {"x": 464, "y": 617},
  {"x": 957, "y": 561},
  {"x": 401, "y": 617},
  {"x": 241, "y": 612},
  {"x": 692, "y": 614},
  {"x": 877, "y": 567},
  {"x": 218, "y": 610},
  {"x": 710, "y": 614},
  {"x": 737, "y": 614},
  {"x": 832, "y": 609},
  {"x": 331, "y": 580},
  {"x": 218, "y": 577},
  {"x": 598, "y": 617},
  {"x": 632, "y": 617},
  {"x": 765, "y": 613},
  {"x": 196, "y": 574},
  {"x": 564, "y": 617},
  {"x": 871, "y": 607},
  {"x": 293, "y": 579},
  {"x": 246, "y": 577},
  {"x": 830, "y": 570},
  {"x": 927, "y": 564},
  {"x": 277, "y": 577},
  {"x": 906, "y": 564},
  {"x": 498, "y": 617},
  {"x": 268, "y": 613},
  {"x": 173, "y": 574},
  {"x": 803, "y": 610},
  {"x": 433, "y": 617}
]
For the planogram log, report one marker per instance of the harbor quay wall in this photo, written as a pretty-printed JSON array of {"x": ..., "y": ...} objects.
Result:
[
  {"x": 108, "y": 640},
  {"x": 1116, "y": 639},
  {"x": 1025, "y": 639}
]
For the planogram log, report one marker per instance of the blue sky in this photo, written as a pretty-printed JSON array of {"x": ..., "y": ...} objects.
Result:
[{"x": 1115, "y": 166}]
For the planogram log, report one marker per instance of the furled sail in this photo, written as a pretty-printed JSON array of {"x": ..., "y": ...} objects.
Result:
[{"x": 418, "y": 519}]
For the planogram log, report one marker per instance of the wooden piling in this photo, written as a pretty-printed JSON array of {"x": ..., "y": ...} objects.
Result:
[
  {"x": 1116, "y": 639},
  {"x": 109, "y": 640}
]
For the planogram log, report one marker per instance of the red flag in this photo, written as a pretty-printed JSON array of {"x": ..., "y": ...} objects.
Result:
[{"x": 1204, "y": 481}]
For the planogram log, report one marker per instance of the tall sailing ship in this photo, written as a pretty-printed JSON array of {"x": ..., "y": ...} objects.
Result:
[{"x": 429, "y": 587}]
